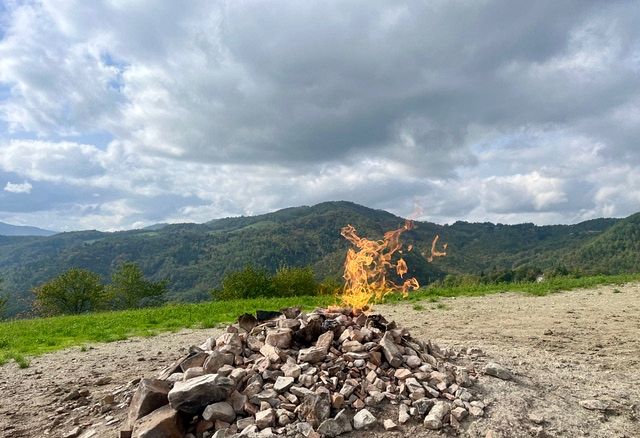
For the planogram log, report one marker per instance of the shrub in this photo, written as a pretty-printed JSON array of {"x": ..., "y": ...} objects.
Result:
[
  {"x": 248, "y": 283},
  {"x": 4, "y": 301},
  {"x": 129, "y": 289},
  {"x": 286, "y": 282},
  {"x": 289, "y": 282},
  {"x": 330, "y": 286},
  {"x": 75, "y": 291}
]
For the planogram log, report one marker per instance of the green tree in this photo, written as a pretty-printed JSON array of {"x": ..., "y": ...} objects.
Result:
[
  {"x": 129, "y": 289},
  {"x": 290, "y": 282},
  {"x": 4, "y": 302},
  {"x": 75, "y": 291},
  {"x": 248, "y": 283}
]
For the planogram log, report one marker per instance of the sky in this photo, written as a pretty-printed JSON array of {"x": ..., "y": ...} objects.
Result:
[{"x": 121, "y": 114}]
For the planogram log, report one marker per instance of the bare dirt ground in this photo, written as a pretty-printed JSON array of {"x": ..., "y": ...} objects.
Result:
[{"x": 562, "y": 348}]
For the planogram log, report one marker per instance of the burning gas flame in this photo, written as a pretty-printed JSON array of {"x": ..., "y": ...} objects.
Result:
[{"x": 367, "y": 266}]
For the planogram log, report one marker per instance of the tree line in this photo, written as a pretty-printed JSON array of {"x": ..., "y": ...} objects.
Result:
[{"x": 80, "y": 291}]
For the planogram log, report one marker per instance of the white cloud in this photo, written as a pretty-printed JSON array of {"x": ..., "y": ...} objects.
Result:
[
  {"x": 482, "y": 111},
  {"x": 52, "y": 161},
  {"x": 25, "y": 187}
]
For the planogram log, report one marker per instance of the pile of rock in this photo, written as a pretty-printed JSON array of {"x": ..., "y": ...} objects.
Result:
[{"x": 304, "y": 375}]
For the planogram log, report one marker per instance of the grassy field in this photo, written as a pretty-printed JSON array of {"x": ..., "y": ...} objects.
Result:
[{"x": 20, "y": 339}]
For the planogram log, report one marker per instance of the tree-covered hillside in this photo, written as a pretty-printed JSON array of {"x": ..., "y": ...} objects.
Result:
[
  {"x": 617, "y": 250},
  {"x": 195, "y": 257}
]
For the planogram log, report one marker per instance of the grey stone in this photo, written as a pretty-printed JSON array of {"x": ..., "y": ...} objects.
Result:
[
  {"x": 434, "y": 419},
  {"x": 413, "y": 361},
  {"x": 265, "y": 418},
  {"x": 389, "y": 424},
  {"x": 283, "y": 384},
  {"x": 270, "y": 352},
  {"x": 229, "y": 343},
  {"x": 390, "y": 350},
  {"x": 363, "y": 419},
  {"x": 459, "y": 413},
  {"x": 413, "y": 385},
  {"x": 352, "y": 347},
  {"x": 304, "y": 428},
  {"x": 279, "y": 337},
  {"x": 237, "y": 401},
  {"x": 312, "y": 355},
  {"x": 347, "y": 390},
  {"x": 315, "y": 408},
  {"x": 403, "y": 414},
  {"x": 73, "y": 433},
  {"x": 291, "y": 370},
  {"x": 214, "y": 362},
  {"x": 193, "y": 395},
  {"x": 325, "y": 340},
  {"x": 219, "y": 411},
  {"x": 333, "y": 427},
  {"x": 247, "y": 322},
  {"x": 195, "y": 360},
  {"x": 193, "y": 372},
  {"x": 243, "y": 423},
  {"x": 254, "y": 343},
  {"x": 423, "y": 405},
  {"x": 250, "y": 431},
  {"x": 497, "y": 370},
  {"x": 402, "y": 373},
  {"x": 594, "y": 405}
]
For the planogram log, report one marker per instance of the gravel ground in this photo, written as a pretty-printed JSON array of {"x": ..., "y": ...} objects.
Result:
[{"x": 563, "y": 348}]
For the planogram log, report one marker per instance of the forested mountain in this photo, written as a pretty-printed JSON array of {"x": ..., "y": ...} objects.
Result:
[
  {"x": 195, "y": 257},
  {"x": 20, "y": 230},
  {"x": 617, "y": 250}
]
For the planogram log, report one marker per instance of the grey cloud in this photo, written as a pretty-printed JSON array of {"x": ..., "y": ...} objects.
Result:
[{"x": 481, "y": 109}]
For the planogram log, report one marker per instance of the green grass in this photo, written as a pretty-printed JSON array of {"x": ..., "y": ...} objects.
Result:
[
  {"x": 32, "y": 337},
  {"x": 557, "y": 284},
  {"x": 21, "y": 339}
]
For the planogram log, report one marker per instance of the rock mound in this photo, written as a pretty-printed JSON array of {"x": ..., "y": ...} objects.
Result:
[{"x": 319, "y": 374}]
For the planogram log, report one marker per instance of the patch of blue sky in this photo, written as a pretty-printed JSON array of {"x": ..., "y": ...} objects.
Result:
[
  {"x": 5, "y": 91},
  {"x": 117, "y": 83}
]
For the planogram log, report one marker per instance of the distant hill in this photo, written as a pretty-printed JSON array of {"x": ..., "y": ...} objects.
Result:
[
  {"x": 617, "y": 250},
  {"x": 195, "y": 257},
  {"x": 19, "y": 230}
]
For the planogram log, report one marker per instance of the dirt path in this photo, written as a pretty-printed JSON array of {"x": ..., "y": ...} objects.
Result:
[{"x": 563, "y": 348}]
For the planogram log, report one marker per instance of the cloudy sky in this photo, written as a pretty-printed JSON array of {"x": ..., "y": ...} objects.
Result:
[{"x": 119, "y": 114}]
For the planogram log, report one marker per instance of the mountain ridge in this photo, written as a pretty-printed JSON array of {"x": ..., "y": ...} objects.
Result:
[
  {"x": 23, "y": 230},
  {"x": 195, "y": 257}
]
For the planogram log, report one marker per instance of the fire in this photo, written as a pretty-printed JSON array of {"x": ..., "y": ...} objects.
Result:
[{"x": 366, "y": 268}]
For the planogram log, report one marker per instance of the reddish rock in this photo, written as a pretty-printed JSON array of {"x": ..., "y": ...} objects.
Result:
[
  {"x": 150, "y": 395},
  {"x": 161, "y": 423}
]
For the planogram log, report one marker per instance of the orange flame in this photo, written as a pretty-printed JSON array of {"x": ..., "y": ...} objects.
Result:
[
  {"x": 366, "y": 268},
  {"x": 434, "y": 251}
]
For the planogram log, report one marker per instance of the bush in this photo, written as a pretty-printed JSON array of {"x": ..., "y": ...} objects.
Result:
[
  {"x": 4, "y": 301},
  {"x": 286, "y": 282},
  {"x": 248, "y": 283},
  {"x": 290, "y": 282},
  {"x": 129, "y": 289},
  {"x": 330, "y": 286},
  {"x": 75, "y": 291}
]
